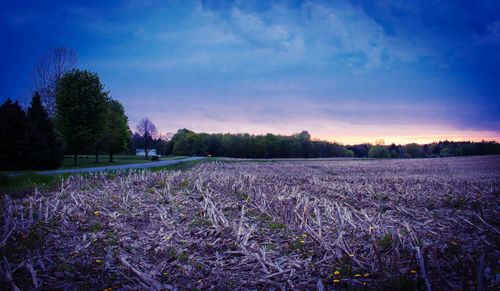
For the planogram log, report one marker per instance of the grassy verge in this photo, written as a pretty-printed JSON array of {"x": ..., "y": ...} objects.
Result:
[
  {"x": 88, "y": 161},
  {"x": 26, "y": 182}
]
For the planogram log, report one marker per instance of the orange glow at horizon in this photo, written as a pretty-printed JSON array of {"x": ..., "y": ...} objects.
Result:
[{"x": 419, "y": 139}]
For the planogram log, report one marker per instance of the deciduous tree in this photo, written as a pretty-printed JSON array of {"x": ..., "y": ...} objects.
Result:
[
  {"x": 147, "y": 130},
  {"x": 50, "y": 68},
  {"x": 81, "y": 107},
  {"x": 117, "y": 132}
]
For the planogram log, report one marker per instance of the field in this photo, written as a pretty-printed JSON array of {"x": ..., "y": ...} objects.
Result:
[{"x": 334, "y": 224}]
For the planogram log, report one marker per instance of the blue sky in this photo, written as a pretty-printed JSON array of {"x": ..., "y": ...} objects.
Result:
[{"x": 349, "y": 71}]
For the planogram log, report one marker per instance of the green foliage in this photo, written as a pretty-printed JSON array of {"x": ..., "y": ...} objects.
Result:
[
  {"x": 300, "y": 145},
  {"x": 117, "y": 132},
  {"x": 439, "y": 149},
  {"x": 378, "y": 152},
  {"x": 414, "y": 150},
  {"x": 385, "y": 241},
  {"x": 277, "y": 226},
  {"x": 26, "y": 182},
  {"x": 81, "y": 108}
]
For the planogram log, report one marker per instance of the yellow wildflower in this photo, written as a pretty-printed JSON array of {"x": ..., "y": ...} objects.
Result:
[
  {"x": 98, "y": 261},
  {"x": 336, "y": 280},
  {"x": 336, "y": 272},
  {"x": 413, "y": 271},
  {"x": 366, "y": 275},
  {"x": 357, "y": 275},
  {"x": 97, "y": 213}
]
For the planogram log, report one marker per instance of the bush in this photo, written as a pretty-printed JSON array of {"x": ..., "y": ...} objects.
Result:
[
  {"x": 379, "y": 152},
  {"x": 155, "y": 158}
]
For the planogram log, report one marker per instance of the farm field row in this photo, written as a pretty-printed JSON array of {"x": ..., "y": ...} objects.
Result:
[{"x": 376, "y": 224}]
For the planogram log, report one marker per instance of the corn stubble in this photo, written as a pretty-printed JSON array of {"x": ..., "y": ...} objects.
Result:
[{"x": 338, "y": 224}]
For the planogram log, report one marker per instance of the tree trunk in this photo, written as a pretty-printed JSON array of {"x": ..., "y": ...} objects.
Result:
[
  {"x": 146, "y": 150},
  {"x": 75, "y": 160},
  {"x": 96, "y": 156},
  {"x": 110, "y": 157}
]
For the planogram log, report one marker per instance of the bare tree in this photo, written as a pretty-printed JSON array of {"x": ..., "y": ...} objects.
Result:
[
  {"x": 50, "y": 68},
  {"x": 147, "y": 129}
]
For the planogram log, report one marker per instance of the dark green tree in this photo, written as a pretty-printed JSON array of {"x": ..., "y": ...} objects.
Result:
[
  {"x": 81, "y": 107},
  {"x": 43, "y": 147},
  {"x": 13, "y": 128},
  {"x": 117, "y": 132},
  {"x": 379, "y": 152},
  {"x": 183, "y": 143}
]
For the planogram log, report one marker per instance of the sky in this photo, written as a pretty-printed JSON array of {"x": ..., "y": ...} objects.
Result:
[{"x": 346, "y": 71}]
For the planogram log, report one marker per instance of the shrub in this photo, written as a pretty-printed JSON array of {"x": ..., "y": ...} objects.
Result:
[{"x": 379, "y": 152}]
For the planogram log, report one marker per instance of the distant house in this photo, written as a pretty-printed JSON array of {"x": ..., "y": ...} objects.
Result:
[{"x": 142, "y": 152}]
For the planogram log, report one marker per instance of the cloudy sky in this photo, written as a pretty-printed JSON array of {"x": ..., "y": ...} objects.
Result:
[{"x": 348, "y": 71}]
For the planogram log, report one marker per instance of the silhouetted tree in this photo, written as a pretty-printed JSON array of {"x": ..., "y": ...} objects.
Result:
[
  {"x": 13, "y": 128},
  {"x": 44, "y": 148},
  {"x": 147, "y": 130},
  {"x": 50, "y": 68}
]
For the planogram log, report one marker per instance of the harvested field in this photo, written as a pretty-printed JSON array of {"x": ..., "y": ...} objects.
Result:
[{"x": 375, "y": 224}]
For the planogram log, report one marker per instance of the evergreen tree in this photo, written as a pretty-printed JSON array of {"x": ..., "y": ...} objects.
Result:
[
  {"x": 12, "y": 136},
  {"x": 81, "y": 107},
  {"x": 44, "y": 148}
]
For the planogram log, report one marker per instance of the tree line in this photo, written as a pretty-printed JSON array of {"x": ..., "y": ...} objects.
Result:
[
  {"x": 187, "y": 143},
  {"x": 431, "y": 150},
  {"x": 300, "y": 145}
]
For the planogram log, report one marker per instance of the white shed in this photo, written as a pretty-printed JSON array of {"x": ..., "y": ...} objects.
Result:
[{"x": 142, "y": 152}]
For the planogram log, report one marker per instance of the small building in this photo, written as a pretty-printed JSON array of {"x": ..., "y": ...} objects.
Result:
[{"x": 142, "y": 152}]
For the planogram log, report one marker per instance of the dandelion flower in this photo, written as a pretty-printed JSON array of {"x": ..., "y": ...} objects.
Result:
[
  {"x": 357, "y": 275},
  {"x": 336, "y": 272},
  {"x": 98, "y": 261},
  {"x": 336, "y": 281},
  {"x": 413, "y": 271},
  {"x": 97, "y": 213}
]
